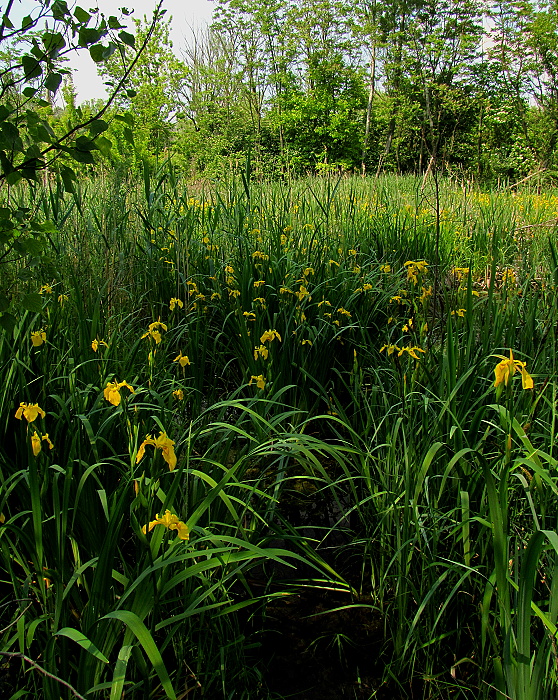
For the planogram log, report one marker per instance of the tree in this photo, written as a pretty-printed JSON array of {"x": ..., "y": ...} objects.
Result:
[
  {"x": 153, "y": 88},
  {"x": 28, "y": 144}
]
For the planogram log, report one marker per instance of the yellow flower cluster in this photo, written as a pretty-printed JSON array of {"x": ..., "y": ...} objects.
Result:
[
  {"x": 410, "y": 349},
  {"x": 505, "y": 369},
  {"x": 112, "y": 392},
  {"x": 171, "y": 522},
  {"x": 31, "y": 411},
  {"x": 38, "y": 338},
  {"x": 259, "y": 380},
  {"x": 154, "y": 331},
  {"x": 414, "y": 269},
  {"x": 174, "y": 302},
  {"x": 163, "y": 443}
]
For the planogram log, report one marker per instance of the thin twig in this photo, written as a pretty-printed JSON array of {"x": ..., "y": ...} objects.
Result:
[{"x": 40, "y": 669}]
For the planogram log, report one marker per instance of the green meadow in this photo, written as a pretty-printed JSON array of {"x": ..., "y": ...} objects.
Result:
[{"x": 234, "y": 396}]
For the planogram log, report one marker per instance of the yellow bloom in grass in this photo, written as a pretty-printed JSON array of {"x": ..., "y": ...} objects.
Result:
[
  {"x": 283, "y": 239},
  {"x": 459, "y": 312},
  {"x": 390, "y": 348},
  {"x": 407, "y": 327},
  {"x": 411, "y": 350},
  {"x": 38, "y": 338},
  {"x": 414, "y": 268},
  {"x": 259, "y": 283},
  {"x": 261, "y": 351},
  {"x": 460, "y": 272},
  {"x": 425, "y": 294},
  {"x": 334, "y": 262},
  {"x": 174, "y": 302},
  {"x": 508, "y": 367},
  {"x": 250, "y": 315},
  {"x": 352, "y": 251},
  {"x": 171, "y": 522},
  {"x": 270, "y": 336},
  {"x": 45, "y": 289},
  {"x": 95, "y": 344},
  {"x": 215, "y": 295},
  {"x": 284, "y": 290},
  {"x": 36, "y": 442},
  {"x": 258, "y": 255},
  {"x": 308, "y": 271},
  {"x": 344, "y": 312},
  {"x": 229, "y": 269},
  {"x": 303, "y": 292},
  {"x": 234, "y": 292},
  {"x": 182, "y": 360},
  {"x": 154, "y": 331},
  {"x": 385, "y": 268},
  {"x": 29, "y": 411},
  {"x": 306, "y": 342},
  {"x": 178, "y": 394},
  {"x": 62, "y": 299},
  {"x": 163, "y": 443},
  {"x": 112, "y": 392},
  {"x": 259, "y": 380}
]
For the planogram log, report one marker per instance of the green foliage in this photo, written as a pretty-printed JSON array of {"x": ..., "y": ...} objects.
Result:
[{"x": 29, "y": 147}]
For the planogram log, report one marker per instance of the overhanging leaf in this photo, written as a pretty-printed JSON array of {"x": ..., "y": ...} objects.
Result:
[{"x": 85, "y": 643}]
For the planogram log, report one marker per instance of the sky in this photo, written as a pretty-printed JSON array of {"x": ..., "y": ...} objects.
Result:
[{"x": 186, "y": 14}]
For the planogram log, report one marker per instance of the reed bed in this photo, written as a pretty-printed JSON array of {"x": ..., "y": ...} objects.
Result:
[{"x": 238, "y": 390}]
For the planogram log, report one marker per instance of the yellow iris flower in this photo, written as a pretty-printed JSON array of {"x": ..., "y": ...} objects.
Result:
[
  {"x": 508, "y": 367},
  {"x": 95, "y": 344},
  {"x": 38, "y": 338},
  {"x": 36, "y": 442},
  {"x": 259, "y": 380},
  {"x": 112, "y": 392},
  {"x": 270, "y": 336},
  {"x": 261, "y": 351},
  {"x": 163, "y": 443},
  {"x": 182, "y": 360},
  {"x": 29, "y": 411},
  {"x": 154, "y": 331},
  {"x": 174, "y": 302},
  {"x": 171, "y": 522}
]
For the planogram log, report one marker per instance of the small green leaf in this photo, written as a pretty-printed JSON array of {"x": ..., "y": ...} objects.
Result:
[
  {"x": 4, "y": 303},
  {"x": 83, "y": 641},
  {"x": 7, "y": 22},
  {"x": 14, "y": 177},
  {"x": 113, "y": 23},
  {"x": 128, "y": 135},
  {"x": 53, "y": 81},
  {"x": 104, "y": 145},
  {"x": 26, "y": 22},
  {"x": 8, "y": 322},
  {"x": 82, "y": 15},
  {"x": 97, "y": 127},
  {"x": 31, "y": 67},
  {"x": 128, "y": 39},
  {"x": 30, "y": 92},
  {"x": 97, "y": 52},
  {"x": 59, "y": 10},
  {"x": 32, "y": 302},
  {"x": 89, "y": 36},
  {"x": 81, "y": 156}
]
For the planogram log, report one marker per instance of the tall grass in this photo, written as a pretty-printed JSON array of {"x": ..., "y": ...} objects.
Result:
[{"x": 329, "y": 391}]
